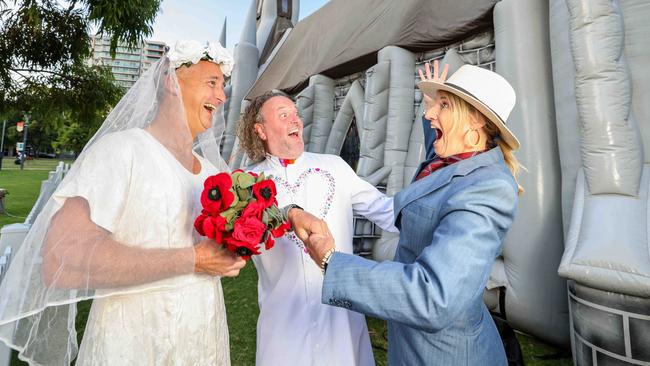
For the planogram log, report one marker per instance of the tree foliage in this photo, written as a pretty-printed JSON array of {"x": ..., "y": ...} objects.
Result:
[{"x": 44, "y": 69}]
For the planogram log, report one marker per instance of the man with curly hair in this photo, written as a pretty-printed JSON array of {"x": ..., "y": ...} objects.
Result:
[{"x": 294, "y": 328}]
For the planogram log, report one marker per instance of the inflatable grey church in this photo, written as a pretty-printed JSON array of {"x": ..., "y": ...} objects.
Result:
[{"x": 575, "y": 268}]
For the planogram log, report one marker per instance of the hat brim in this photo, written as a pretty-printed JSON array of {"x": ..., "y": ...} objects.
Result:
[{"x": 430, "y": 88}]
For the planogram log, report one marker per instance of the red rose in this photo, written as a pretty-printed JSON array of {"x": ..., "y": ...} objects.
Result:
[
  {"x": 280, "y": 230},
  {"x": 249, "y": 229},
  {"x": 269, "y": 242},
  {"x": 265, "y": 192},
  {"x": 213, "y": 227},
  {"x": 216, "y": 196},
  {"x": 253, "y": 209},
  {"x": 241, "y": 248}
]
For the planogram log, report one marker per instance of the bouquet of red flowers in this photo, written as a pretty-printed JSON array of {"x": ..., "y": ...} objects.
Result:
[{"x": 240, "y": 211}]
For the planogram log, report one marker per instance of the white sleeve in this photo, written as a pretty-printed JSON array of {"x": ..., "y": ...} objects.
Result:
[
  {"x": 367, "y": 200},
  {"x": 102, "y": 178}
]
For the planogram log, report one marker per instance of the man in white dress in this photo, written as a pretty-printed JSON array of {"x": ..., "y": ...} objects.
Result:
[
  {"x": 294, "y": 327},
  {"x": 119, "y": 230}
]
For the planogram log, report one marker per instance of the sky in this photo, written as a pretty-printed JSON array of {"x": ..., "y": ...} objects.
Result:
[{"x": 202, "y": 20}]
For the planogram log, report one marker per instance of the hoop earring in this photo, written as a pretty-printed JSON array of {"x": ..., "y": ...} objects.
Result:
[{"x": 468, "y": 139}]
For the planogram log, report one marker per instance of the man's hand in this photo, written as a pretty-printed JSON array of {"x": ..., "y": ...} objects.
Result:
[
  {"x": 305, "y": 223},
  {"x": 313, "y": 231},
  {"x": 320, "y": 241},
  {"x": 213, "y": 259}
]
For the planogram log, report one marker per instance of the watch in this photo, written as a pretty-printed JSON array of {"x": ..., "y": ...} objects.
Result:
[
  {"x": 285, "y": 213},
  {"x": 326, "y": 259}
]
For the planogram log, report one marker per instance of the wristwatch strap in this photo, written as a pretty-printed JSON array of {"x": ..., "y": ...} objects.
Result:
[
  {"x": 285, "y": 213},
  {"x": 326, "y": 259}
]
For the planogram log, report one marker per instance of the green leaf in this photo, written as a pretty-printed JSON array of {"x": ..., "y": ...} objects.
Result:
[
  {"x": 241, "y": 205},
  {"x": 274, "y": 215},
  {"x": 230, "y": 215},
  {"x": 243, "y": 194},
  {"x": 274, "y": 211},
  {"x": 236, "y": 201},
  {"x": 243, "y": 180},
  {"x": 229, "y": 226}
]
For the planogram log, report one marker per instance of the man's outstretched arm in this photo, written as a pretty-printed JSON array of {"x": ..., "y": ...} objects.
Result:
[{"x": 80, "y": 254}]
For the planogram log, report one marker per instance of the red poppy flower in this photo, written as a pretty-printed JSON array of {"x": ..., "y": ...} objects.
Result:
[
  {"x": 249, "y": 229},
  {"x": 198, "y": 223},
  {"x": 265, "y": 192},
  {"x": 214, "y": 226},
  {"x": 280, "y": 230},
  {"x": 216, "y": 196},
  {"x": 241, "y": 248}
]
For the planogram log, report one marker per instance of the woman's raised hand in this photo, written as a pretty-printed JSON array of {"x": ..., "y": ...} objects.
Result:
[
  {"x": 436, "y": 76},
  {"x": 439, "y": 77}
]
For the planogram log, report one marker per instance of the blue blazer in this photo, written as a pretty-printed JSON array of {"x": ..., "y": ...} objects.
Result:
[{"x": 452, "y": 224}]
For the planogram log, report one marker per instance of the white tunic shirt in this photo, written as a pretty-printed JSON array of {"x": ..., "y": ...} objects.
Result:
[{"x": 294, "y": 327}]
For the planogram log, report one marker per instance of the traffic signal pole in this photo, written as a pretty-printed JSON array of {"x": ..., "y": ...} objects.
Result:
[
  {"x": 2, "y": 142},
  {"x": 22, "y": 161}
]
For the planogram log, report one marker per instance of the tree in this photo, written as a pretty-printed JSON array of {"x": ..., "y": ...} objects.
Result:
[{"x": 44, "y": 48}]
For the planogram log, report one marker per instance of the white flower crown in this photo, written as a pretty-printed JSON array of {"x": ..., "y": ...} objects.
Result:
[{"x": 191, "y": 52}]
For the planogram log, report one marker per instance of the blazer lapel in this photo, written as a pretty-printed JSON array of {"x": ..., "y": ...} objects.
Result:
[
  {"x": 421, "y": 187},
  {"x": 441, "y": 178}
]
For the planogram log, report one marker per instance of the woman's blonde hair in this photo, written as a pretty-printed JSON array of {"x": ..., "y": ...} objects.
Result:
[{"x": 462, "y": 111}]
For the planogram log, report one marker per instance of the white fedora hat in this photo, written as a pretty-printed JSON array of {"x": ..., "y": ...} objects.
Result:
[{"x": 485, "y": 90}]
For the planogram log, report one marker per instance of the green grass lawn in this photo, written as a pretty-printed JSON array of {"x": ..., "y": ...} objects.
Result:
[
  {"x": 22, "y": 191},
  {"x": 34, "y": 164},
  {"x": 240, "y": 293}
]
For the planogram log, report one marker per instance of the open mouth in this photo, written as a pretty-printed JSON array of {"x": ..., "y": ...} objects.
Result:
[
  {"x": 438, "y": 133},
  {"x": 294, "y": 133},
  {"x": 210, "y": 107}
]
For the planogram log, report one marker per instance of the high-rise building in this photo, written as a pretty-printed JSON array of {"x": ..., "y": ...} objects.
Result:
[{"x": 129, "y": 63}]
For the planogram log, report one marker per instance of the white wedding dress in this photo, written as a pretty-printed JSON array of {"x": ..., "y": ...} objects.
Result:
[{"x": 151, "y": 202}]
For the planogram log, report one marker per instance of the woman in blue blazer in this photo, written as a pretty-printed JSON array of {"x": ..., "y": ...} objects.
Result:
[{"x": 452, "y": 220}]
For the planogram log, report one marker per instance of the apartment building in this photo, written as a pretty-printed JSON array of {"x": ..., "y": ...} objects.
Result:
[{"x": 129, "y": 63}]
